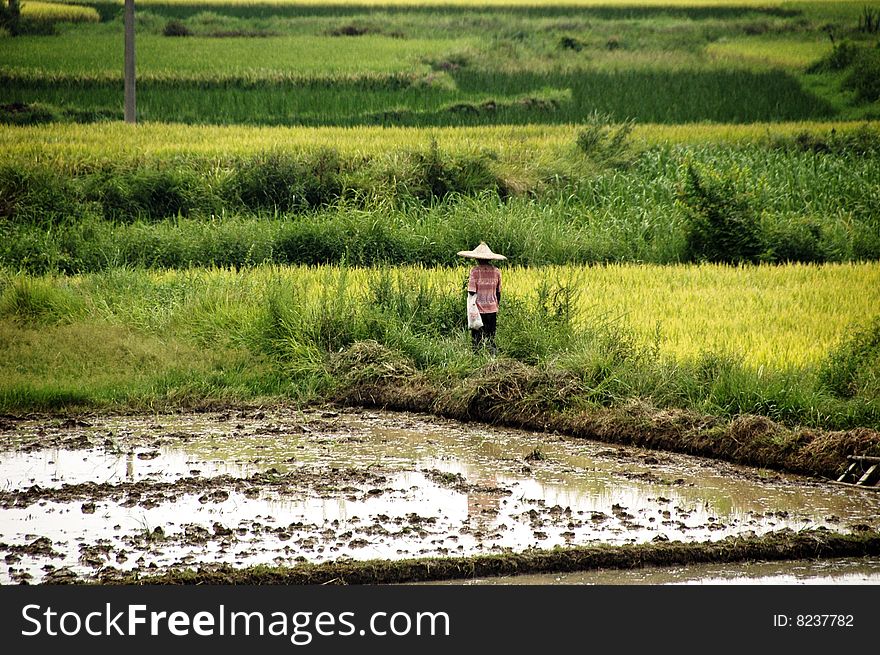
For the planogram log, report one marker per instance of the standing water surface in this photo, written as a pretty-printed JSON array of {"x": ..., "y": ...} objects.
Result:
[{"x": 280, "y": 486}]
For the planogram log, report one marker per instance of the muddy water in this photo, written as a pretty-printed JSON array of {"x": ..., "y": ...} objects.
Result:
[{"x": 145, "y": 493}]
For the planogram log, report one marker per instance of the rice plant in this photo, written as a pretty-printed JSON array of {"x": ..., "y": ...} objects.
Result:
[
  {"x": 722, "y": 339},
  {"x": 58, "y": 11}
]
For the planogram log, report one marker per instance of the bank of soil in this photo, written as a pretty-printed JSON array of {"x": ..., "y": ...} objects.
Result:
[
  {"x": 783, "y": 545},
  {"x": 510, "y": 393},
  {"x": 321, "y": 495}
]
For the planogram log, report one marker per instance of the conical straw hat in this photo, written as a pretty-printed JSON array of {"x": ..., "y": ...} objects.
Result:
[{"x": 482, "y": 251}]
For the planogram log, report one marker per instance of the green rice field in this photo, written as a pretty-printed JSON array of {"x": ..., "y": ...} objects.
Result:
[
  {"x": 686, "y": 191},
  {"x": 457, "y": 64}
]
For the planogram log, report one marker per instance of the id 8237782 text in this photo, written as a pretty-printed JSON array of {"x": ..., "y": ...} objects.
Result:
[{"x": 813, "y": 621}]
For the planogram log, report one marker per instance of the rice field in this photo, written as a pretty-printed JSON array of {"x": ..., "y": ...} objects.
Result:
[
  {"x": 210, "y": 59},
  {"x": 373, "y": 139},
  {"x": 70, "y": 147},
  {"x": 59, "y": 11},
  {"x": 425, "y": 99},
  {"x": 789, "y": 53},
  {"x": 769, "y": 316},
  {"x": 773, "y": 316},
  {"x": 423, "y": 65}
]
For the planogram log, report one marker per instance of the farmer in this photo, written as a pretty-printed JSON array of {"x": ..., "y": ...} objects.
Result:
[{"x": 484, "y": 283}]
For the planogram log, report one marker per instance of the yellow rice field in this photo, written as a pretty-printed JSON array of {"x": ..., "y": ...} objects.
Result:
[
  {"x": 775, "y": 316},
  {"x": 792, "y": 53},
  {"x": 778, "y": 316},
  {"x": 68, "y": 145},
  {"x": 58, "y": 11}
]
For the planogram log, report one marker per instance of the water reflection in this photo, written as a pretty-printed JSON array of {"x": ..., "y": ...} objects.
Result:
[{"x": 448, "y": 489}]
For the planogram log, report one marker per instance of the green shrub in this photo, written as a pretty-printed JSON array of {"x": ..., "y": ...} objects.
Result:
[
  {"x": 571, "y": 43},
  {"x": 864, "y": 75},
  {"x": 853, "y": 367},
  {"x": 435, "y": 175},
  {"x": 26, "y": 249},
  {"x": 20, "y": 113},
  {"x": 864, "y": 140},
  {"x": 531, "y": 329},
  {"x": 37, "y": 195},
  {"x": 281, "y": 183},
  {"x": 322, "y": 178},
  {"x": 268, "y": 182},
  {"x": 313, "y": 242},
  {"x": 604, "y": 140},
  {"x": 866, "y": 240},
  {"x": 15, "y": 24},
  {"x": 840, "y": 58},
  {"x": 10, "y": 16},
  {"x": 176, "y": 28},
  {"x": 862, "y": 66},
  {"x": 796, "y": 240},
  {"x": 420, "y": 308},
  {"x": 722, "y": 226},
  {"x": 34, "y": 26},
  {"x": 150, "y": 194}
]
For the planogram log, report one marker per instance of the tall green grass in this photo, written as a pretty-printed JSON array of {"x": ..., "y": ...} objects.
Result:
[
  {"x": 808, "y": 198},
  {"x": 203, "y": 336}
]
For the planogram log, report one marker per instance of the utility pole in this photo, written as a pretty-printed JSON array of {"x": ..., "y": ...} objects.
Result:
[{"x": 130, "y": 106}]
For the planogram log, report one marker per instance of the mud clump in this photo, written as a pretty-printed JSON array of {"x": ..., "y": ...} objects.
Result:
[
  {"x": 212, "y": 490},
  {"x": 39, "y": 547},
  {"x": 457, "y": 482},
  {"x": 216, "y": 496}
]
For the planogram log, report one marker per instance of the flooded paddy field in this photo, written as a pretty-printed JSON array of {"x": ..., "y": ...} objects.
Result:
[{"x": 150, "y": 493}]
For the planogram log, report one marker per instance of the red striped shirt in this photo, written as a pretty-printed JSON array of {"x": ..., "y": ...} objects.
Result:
[{"x": 485, "y": 280}]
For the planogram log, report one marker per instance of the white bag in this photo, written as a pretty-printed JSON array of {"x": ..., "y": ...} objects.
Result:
[{"x": 475, "y": 321}]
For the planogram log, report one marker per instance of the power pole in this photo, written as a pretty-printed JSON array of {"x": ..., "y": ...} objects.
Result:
[{"x": 130, "y": 106}]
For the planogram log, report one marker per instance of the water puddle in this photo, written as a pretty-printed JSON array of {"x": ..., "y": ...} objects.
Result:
[{"x": 145, "y": 493}]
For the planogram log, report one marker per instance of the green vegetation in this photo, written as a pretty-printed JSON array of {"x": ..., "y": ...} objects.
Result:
[
  {"x": 808, "y": 197},
  {"x": 134, "y": 338},
  {"x": 411, "y": 64},
  {"x": 173, "y": 263}
]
